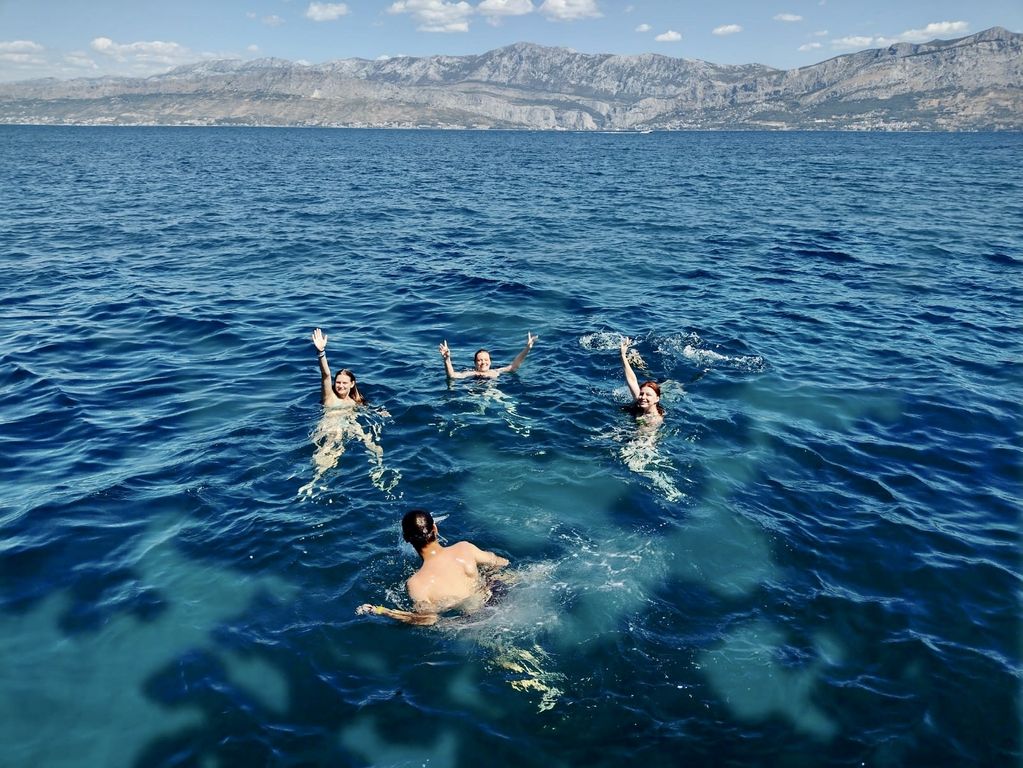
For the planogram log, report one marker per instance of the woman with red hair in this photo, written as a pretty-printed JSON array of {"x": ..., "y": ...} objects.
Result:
[{"x": 646, "y": 405}]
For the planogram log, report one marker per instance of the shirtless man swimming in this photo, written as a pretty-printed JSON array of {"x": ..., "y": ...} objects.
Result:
[
  {"x": 448, "y": 579},
  {"x": 481, "y": 362}
]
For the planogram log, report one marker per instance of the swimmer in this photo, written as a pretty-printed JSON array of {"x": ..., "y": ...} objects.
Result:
[
  {"x": 646, "y": 405},
  {"x": 481, "y": 362},
  {"x": 338, "y": 424},
  {"x": 342, "y": 390},
  {"x": 449, "y": 578}
]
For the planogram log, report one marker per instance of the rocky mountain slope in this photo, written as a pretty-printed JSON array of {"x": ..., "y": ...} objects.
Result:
[{"x": 973, "y": 83}]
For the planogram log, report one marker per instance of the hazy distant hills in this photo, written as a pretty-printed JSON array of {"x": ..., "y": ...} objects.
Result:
[{"x": 973, "y": 83}]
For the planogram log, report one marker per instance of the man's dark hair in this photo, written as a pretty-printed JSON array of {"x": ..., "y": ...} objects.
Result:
[{"x": 417, "y": 528}]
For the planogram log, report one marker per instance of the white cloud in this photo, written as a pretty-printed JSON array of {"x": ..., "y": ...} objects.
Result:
[
  {"x": 809, "y": 46},
  {"x": 151, "y": 52},
  {"x": 788, "y": 17},
  {"x": 928, "y": 33},
  {"x": 643, "y": 28},
  {"x": 821, "y": 33},
  {"x": 436, "y": 15},
  {"x": 80, "y": 60},
  {"x": 252, "y": 48},
  {"x": 505, "y": 7},
  {"x": 326, "y": 11},
  {"x": 727, "y": 29},
  {"x": 20, "y": 46},
  {"x": 273, "y": 20},
  {"x": 570, "y": 10},
  {"x": 671, "y": 36},
  {"x": 23, "y": 53},
  {"x": 22, "y": 58},
  {"x": 853, "y": 41},
  {"x": 933, "y": 30},
  {"x": 104, "y": 56}
]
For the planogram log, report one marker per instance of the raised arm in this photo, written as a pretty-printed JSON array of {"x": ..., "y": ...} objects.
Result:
[
  {"x": 320, "y": 342},
  {"x": 446, "y": 354},
  {"x": 420, "y": 618},
  {"x": 448, "y": 368},
  {"x": 530, "y": 339},
  {"x": 630, "y": 376}
]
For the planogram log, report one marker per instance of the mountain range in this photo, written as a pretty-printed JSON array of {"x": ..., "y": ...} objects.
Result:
[{"x": 972, "y": 83}]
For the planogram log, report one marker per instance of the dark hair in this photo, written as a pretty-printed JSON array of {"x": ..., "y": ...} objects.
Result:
[
  {"x": 417, "y": 528},
  {"x": 354, "y": 391},
  {"x": 478, "y": 354}
]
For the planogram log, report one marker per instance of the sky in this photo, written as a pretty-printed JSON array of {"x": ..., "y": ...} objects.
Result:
[{"x": 80, "y": 38}]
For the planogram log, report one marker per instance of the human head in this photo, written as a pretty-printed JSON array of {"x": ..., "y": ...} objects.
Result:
[
  {"x": 481, "y": 360},
  {"x": 418, "y": 528},
  {"x": 650, "y": 394},
  {"x": 345, "y": 386}
]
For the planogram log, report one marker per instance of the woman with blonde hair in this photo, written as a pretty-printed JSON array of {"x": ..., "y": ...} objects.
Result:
[
  {"x": 342, "y": 389},
  {"x": 339, "y": 395}
]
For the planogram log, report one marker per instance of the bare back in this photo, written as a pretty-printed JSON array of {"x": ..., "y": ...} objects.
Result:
[{"x": 450, "y": 578}]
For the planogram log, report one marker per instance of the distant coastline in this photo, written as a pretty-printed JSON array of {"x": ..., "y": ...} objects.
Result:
[{"x": 973, "y": 83}]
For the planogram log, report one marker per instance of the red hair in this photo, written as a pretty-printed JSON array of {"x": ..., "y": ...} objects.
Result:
[
  {"x": 653, "y": 385},
  {"x": 656, "y": 388}
]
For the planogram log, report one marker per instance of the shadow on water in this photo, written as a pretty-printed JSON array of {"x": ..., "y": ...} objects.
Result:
[{"x": 631, "y": 608}]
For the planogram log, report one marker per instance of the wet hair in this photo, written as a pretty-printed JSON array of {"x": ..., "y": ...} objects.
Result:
[
  {"x": 417, "y": 528},
  {"x": 478, "y": 354},
  {"x": 634, "y": 408},
  {"x": 353, "y": 392}
]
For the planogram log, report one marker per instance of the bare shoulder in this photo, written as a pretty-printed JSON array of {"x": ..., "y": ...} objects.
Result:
[
  {"x": 469, "y": 550},
  {"x": 416, "y": 588}
]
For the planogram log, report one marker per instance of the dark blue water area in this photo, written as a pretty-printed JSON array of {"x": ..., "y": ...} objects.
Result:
[{"x": 814, "y": 561}]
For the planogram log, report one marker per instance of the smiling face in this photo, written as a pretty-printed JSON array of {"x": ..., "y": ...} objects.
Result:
[
  {"x": 343, "y": 384},
  {"x": 482, "y": 361},
  {"x": 648, "y": 399}
]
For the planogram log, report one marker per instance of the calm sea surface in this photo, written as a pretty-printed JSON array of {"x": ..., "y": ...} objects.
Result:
[{"x": 815, "y": 562}]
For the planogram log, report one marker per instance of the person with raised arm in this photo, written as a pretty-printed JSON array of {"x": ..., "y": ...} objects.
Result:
[
  {"x": 646, "y": 397},
  {"x": 338, "y": 424},
  {"x": 481, "y": 362},
  {"x": 449, "y": 578},
  {"x": 342, "y": 389}
]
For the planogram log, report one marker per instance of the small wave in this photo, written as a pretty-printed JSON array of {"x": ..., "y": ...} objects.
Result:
[
  {"x": 338, "y": 427},
  {"x": 693, "y": 348},
  {"x": 1003, "y": 260},
  {"x": 839, "y": 257},
  {"x": 601, "y": 341},
  {"x": 685, "y": 345},
  {"x": 638, "y": 450}
]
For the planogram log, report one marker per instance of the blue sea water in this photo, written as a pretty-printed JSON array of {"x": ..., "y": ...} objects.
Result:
[{"x": 816, "y": 561}]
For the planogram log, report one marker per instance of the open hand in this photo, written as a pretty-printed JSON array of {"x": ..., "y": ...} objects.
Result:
[
  {"x": 319, "y": 339},
  {"x": 363, "y": 609}
]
